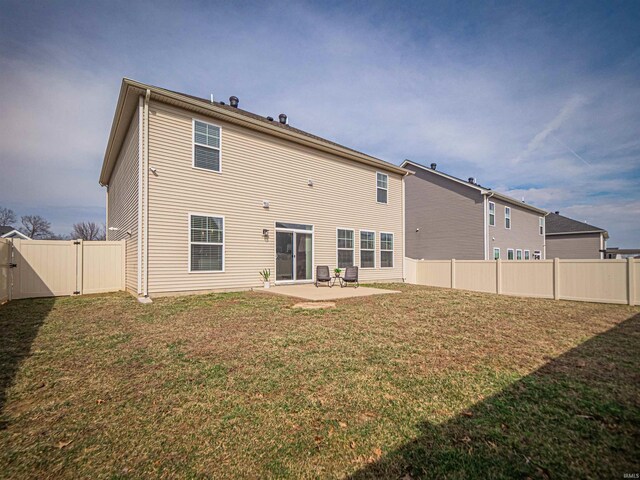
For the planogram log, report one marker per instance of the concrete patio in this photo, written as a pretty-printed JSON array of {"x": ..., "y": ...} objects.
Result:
[{"x": 322, "y": 293}]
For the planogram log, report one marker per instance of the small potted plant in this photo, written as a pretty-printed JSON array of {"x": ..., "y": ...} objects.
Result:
[
  {"x": 266, "y": 274},
  {"x": 337, "y": 271}
]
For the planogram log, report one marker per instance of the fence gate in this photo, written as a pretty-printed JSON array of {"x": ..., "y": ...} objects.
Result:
[{"x": 50, "y": 268}]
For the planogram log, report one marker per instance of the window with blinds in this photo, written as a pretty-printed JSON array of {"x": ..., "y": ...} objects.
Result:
[
  {"x": 345, "y": 248},
  {"x": 386, "y": 250},
  {"x": 206, "y": 146},
  {"x": 206, "y": 244},
  {"x": 367, "y": 249},
  {"x": 382, "y": 183}
]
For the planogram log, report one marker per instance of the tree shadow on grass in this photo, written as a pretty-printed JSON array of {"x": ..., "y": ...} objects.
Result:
[
  {"x": 20, "y": 321},
  {"x": 576, "y": 417}
]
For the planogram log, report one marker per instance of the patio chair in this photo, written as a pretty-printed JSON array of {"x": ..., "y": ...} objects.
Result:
[
  {"x": 350, "y": 276},
  {"x": 323, "y": 275}
]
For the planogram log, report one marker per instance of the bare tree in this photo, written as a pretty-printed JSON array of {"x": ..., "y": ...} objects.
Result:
[
  {"x": 7, "y": 216},
  {"x": 35, "y": 227},
  {"x": 88, "y": 231}
]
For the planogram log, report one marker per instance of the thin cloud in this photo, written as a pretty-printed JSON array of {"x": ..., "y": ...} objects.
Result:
[{"x": 573, "y": 104}]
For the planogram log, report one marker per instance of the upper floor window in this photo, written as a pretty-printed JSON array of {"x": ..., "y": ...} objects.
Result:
[
  {"x": 345, "y": 248},
  {"x": 496, "y": 253},
  {"x": 206, "y": 244},
  {"x": 206, "y": 146},
  {"x": 527, "y": 255},
  {"x": 386, "y": 250},
  {"x": 507, "y": 217},
  {"x": 382, "y": 183},
  {"x": 541, "y": 225},
  {"x": 492, "y": 214},
  {"x": 518, "y": 254},
  {"x": 367, "y": 249},
  {"x": 509, "y": 253},
  {"x": 537, "y": 255}
]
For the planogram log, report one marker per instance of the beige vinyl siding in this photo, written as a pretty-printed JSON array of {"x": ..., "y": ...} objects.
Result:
[
  {"x": 448, "y": 215},
  {"x": 256, "y": 167},
  {"x": 123, "y": 202},
  {"x": 524, "y": 233},
  {"x": 582, "y": 245}
]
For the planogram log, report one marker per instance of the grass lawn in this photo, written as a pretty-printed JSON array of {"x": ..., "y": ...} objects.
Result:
[{"x": 425, "y": 383}]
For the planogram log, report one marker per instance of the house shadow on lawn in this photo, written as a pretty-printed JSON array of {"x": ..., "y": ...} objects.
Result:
[
  {"x": 576, "y": 417},
  {"x": 20, "y": 321}
]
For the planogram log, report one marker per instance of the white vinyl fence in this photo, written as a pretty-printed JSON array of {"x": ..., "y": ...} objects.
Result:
[
  {"x": 49, "y": 268},
  {"x": 602, "y": 281}
]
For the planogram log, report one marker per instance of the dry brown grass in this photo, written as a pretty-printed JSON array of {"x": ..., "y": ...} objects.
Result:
[{"x": 243, "y": 385}]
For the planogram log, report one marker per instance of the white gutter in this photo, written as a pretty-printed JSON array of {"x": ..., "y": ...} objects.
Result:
[
  {"x": 404, "y": 232},
  {"x": 146, "y": 193},
  {"x": 575, "y": 233},
  {"x": 140, "y": 162}
]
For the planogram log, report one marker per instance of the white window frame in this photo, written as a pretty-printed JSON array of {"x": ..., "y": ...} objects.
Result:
[
  {"x": 367, "y": 249},
  {"x": 519, "y": 253},
  {"x": 527, "y": 254},
  {"x": 385, "y": 189},
  {"x": 393, "y": 244},
  {"x": 537, "y": 253},
  {"x": 194, "y": 143},
  {"x": 224, "y": 234},
  {"x": 541, "y": 225},
  {"x": 507, "y": 216},
  {"x": 513, "y": 254},
  {"x": 352, "y": 248},
  {"x": 494, "y": 214},
  {"x": 496, "y": 249}
]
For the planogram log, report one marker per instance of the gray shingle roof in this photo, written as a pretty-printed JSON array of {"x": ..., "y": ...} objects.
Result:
[
  {"x": 555, "y": 223},
  {"x": 5, "y": 229},
  {"x": 275, "y": 121}
]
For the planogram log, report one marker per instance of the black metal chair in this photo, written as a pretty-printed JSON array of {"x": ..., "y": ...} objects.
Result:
[
  {"x": 350, "y": 276},
  {"x": 323, "y": 275}
]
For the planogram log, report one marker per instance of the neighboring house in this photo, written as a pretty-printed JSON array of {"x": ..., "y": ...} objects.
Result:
[
  {"x": 9, "y": 232},
  {"x": 447, "y": 217},
  {"x": 208, "y": 195},
  {"x": 617, "y": 253},
  {"x": 569, "y": 238}
]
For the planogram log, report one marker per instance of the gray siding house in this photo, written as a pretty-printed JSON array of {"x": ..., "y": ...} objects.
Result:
[
  {"x": 569, "y": 238},
  {"x": 447, "y": 217}
]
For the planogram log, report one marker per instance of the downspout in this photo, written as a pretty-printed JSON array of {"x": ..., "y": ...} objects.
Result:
[
  {"x": 146, "y": 193},
  {"x": 404, "y": 232},
  {"x": 486, "y": 227},
  {"x": 106, "y": 223},
  {"x": 140, "y": 193},
  {"x": 544, "y": 236}
]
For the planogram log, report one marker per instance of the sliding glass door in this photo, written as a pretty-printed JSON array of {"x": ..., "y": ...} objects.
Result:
[{"x": 294, "y": 252}]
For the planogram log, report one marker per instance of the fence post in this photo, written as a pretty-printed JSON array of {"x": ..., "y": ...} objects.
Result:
[
  {"x": 498, "y": 276},
  {"x": 123, "y": 253},
  {"x": 453, "y": 273},
  {"x": 79, "y": 264},
  {"x": 556, "y": 279},
  {"x": 631, "y": 287}
]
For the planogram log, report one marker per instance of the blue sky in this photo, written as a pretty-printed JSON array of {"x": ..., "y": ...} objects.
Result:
[{"x": 538, "y": 100}]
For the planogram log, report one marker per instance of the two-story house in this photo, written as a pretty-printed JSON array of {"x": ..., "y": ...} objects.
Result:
[
  {"x": 447, "y": 217},
  {"x": 569, "y": 238},
  {"x": 207, "y": 195}
]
